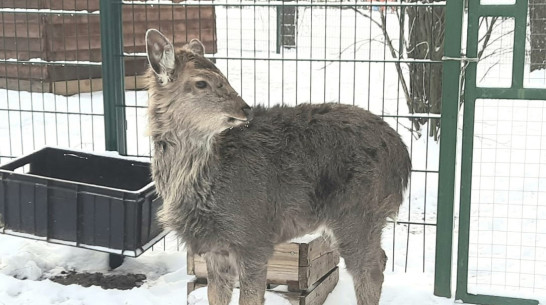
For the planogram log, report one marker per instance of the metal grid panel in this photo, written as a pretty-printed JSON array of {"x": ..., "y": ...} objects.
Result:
[
  {"x": 508, "y": 223},
  {"x": 337, "y": 54},
  {"x": 332, "y": 52},
  {"x": 48, "y": 52}
]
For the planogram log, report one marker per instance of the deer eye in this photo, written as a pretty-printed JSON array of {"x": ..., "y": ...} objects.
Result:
[{"x": 201, "y": 84}]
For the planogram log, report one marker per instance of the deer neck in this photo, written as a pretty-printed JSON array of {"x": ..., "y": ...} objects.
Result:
[{"x": 181, "y": 168}]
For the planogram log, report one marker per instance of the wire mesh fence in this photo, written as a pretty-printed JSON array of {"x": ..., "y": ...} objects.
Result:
[
  {"x": 48, "y": 51},
  {"x": 508, "y": 224},
  {"x": 272, "y": 53}
]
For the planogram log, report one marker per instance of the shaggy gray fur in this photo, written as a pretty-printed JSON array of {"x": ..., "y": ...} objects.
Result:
[{"x": 236, "y": 182}]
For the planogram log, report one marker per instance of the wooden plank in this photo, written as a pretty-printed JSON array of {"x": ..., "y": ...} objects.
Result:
[
  {"x": 72, "y": 20},
  {"x": 81, "y": 49},
  {"x": 20, "y": 18},
  {"x": 298, "y": 265},
  {"x": 62, "y": 73},
  {"x": 55, "y": 73},
  {"x": 59, "y": 43},
  {"x": 167, "y": 27},
  {"x": 72, "y": 87},
  {"x": 208, "y": 42},
  {"x": 90, "y": 5},
  {"x": 199, "y": 266},
  {"x": 32, "y": 30},
  {"x": 277, "y": 273},
  {"x": 20, "y": 55},
  {"x": 23, "y": 72},
  {"x": 196, "y": 283},
  {"x": 24, "y": 85},
  {"x": 73, "y": 5},
  {"x": 130, "y": 27},
  {"x": 309, "y": 275},
  {"x": 321, "y": 290},
  {"x": 190, "y": 268},
  {"x": 282, "y": 267},
  {"x": 315, "y": 296},
  {"x": 34, "y": 4},
  {"x": 22, "y": 43},
  {"x": 312, "y": 250},
  {"x": 206, "y": 33},
  {"x": 85, "y": 29},
  {"x": 159, "y": 12}
]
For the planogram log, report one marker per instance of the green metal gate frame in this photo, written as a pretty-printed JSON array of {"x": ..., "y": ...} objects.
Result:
[{"x": 454, "y": 73}]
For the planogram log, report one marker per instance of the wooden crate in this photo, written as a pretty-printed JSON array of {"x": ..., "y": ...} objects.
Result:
[
  {"x": 315, "y": 295},
  {"x": 298, "y": 265}
]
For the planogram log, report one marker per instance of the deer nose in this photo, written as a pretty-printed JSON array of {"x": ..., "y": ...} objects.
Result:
[{"x": 248, "y": 112}]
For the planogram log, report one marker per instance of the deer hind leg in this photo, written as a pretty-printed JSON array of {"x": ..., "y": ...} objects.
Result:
[
  {"x": 360, "y": 246},
  {"x": 252, "y": 278},
  {"x": 221, "y": 275}
]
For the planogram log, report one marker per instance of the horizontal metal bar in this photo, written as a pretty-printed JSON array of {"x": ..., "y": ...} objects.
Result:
[
  {"x": 427, "y": 171},
  {"x": 413, "y": 116},
  {"x": 510, "y": 93},
  {"x": 414, "y": 61},
  {"x": 498, "y": 10},
  {"x": 51, "y": 112},
  {"x": 138, "y": 156},
  {"x": 46, "y": 12},
  {"x": 490, "y": 299},
  {"x": 50, "y": 63},
  {"x": 412, "y": 223},
  {"x": 287, "y": 4},
  {"x": 393, "y": 116},
  {"x": 131, "y": 106},
  {"x": 299, "y": 59}
]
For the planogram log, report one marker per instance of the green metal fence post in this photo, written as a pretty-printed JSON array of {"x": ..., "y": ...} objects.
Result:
[
  {"x": 280, "y": 11},
  {"x": 113, "y": 75},
  {"x": 448, "y": 148}
]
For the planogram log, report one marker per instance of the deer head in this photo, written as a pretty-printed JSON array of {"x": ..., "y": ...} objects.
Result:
[{"x": 187, "y": 91}]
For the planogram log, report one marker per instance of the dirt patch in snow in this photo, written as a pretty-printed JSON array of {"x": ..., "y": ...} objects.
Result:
[{"x": 110, "y": 281}]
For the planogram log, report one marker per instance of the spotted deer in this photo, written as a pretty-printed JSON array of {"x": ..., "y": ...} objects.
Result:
[{"x": 236, "y": 181}]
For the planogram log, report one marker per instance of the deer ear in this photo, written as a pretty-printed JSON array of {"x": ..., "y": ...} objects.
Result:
[
  {"x": 196, "y": 47},
  {"x": 160, "y": 53}
]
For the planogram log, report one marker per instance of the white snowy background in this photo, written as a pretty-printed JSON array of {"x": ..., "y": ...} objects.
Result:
[{"x": 330, "y": 33}]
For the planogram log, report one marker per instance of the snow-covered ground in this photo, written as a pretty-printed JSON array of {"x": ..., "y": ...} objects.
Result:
[
  {"x": 24, "y": 264},
  {"x": 77, "y": 122}
]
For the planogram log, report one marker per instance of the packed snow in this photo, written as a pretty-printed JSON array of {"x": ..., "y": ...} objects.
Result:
[{"x": 25, "y": 266}]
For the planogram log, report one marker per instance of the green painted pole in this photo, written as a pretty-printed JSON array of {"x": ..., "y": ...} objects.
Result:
[
  {"x": 113, "y": 73},
  {"x": 448, "y": 148},
  {"x": 280, "y": 11},
  {"x": 520, "y": 35}
]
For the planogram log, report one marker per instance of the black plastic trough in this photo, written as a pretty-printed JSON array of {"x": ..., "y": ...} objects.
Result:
[{"x": 104, "y": 203}]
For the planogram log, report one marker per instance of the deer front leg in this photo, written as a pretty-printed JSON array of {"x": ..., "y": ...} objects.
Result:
[
  {"x": 221, "y": 274},
  {"x": 252, "y": 277}
]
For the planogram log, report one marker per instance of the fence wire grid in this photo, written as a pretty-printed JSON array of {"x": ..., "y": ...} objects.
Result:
[{"x": 271, "y": 52}]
